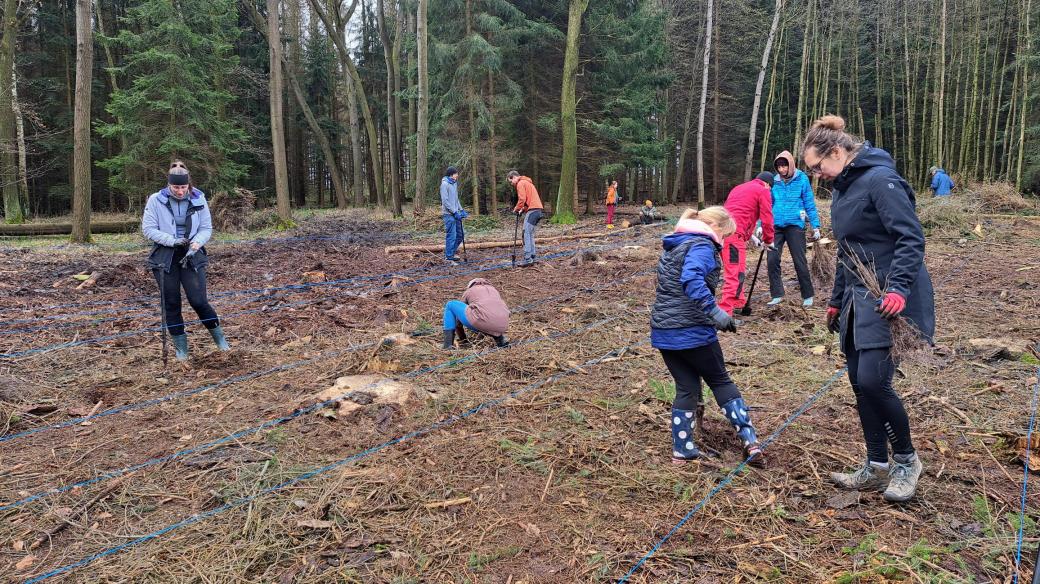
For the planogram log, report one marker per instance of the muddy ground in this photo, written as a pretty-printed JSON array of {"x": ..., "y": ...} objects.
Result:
[{"x": 566, "y": 481}]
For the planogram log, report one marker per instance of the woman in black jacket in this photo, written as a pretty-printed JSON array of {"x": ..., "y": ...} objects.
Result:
[{"x": 873, "y": 217}]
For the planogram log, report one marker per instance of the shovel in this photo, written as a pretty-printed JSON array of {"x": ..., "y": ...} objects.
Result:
[{"x": 746, "y": 309}]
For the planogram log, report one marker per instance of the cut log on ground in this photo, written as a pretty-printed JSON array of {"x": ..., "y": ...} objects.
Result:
[
  {"x": 491, "y": 244},
  {"x": 66, "y": 228}
]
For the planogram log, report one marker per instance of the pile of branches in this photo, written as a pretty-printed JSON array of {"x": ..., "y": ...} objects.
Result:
[{"x": 232, "y": 211}]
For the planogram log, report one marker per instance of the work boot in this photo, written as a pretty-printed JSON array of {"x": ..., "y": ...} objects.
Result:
[
  {"x": 902, "y": 484},
  {"x": 449, "y": 339},
  {"x": 218, "y": 337},
  {"x": 683, "y": 448},
  {"x": 460, "y": 332},
  {"x": 736, "y": 412},
  {"x": 775, "y": 301},
  {"x": 869, "y": 477},
  {"x": 180, "y": 343},
  {"x": 500, "y": 341}
]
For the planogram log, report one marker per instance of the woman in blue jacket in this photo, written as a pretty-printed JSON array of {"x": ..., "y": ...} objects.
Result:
[
  {"x": 793, "y": 202},
  {"x": 683, "y": 322},
  {"x": 177, "y": 221},
  {"x": 873, "y": 217}
]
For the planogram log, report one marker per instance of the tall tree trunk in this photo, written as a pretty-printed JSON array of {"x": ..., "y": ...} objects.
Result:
[
  {"x": 323, "y": 141},
  {"x": 13, "y": 212},
  {"x": 474, "y": 132},
  {"x": 296, "y": 150},
  {"x": 281, "y": 175},
  {"x": 392, "y": 118},
  {"x": 492, "y": 162},
  {"x": 81, "y": 124},
  {"x": 716, "y": 114},
  {"x": 704, "y": 100},
  {"x": 113, "y": 80},
  {"x": 422, "y": 103},
  {"x": 940, "y": 113},
  {"x": 568, "y": 117},
  {"x": 753, "y": 131},
  {"x": 362, "y": 99},
  {"x": 803, "y": 73},
  {"x": 410, "y": 168},
  {"x": 1027, "y": 15}
]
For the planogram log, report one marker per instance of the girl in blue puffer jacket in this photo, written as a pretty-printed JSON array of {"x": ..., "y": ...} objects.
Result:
[{"x": 683, "y": 322}]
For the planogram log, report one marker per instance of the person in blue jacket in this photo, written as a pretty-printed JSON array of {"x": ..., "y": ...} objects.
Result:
[
  {"x": 793, "y": 202},
  {"x": 942, "y": 184},
  {"x": 177, "y": 221},
  {"x": 452, "y": 213},
  {"x": 683, "y": 323},
  {"x": 873, "y": 216}
]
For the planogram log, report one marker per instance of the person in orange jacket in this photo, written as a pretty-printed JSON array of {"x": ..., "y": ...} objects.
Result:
[
  {"x": 611, "y": 204},
  {"x": 747, "y": 203},
  {"x": 527, "y": 201}
]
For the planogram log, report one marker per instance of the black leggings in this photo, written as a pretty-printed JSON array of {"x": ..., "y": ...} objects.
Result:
[
  {"x": 794, "y": 237},
  {"x": 194, "y": 284},
  {"x": 881, "y": 412},
  {"x": 689, "y": 366}
]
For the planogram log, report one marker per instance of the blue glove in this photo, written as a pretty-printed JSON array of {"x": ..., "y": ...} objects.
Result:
[
  {"x": 723, "y": 321},
  {"x": 463, "y": 214}
]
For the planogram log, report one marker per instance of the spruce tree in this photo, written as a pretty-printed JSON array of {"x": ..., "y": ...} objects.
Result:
[{"x": 178, "y": 60}]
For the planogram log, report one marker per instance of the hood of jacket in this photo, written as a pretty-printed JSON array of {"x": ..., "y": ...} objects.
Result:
[
  {"x": 786, "y": 156},
  {"x": 867, "y": 158},
  {"x": 477, "y": 282},
  {"x": 673, "y": 240}
]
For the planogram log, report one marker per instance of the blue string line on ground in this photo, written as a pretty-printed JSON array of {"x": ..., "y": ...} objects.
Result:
[
  {"x": 1025, "y": 481},
  {"x": 278, "y": 421},
  {"x": 342, "y": 462},
  {"x": 280, "y": 368},
  {"x": 101, "y": 339},
  {"x": 638, "y": 230},
  {"x": 733, "y": 473}
]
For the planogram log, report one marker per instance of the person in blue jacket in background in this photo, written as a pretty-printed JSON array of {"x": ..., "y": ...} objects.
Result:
[
  {"x": 683, "y": 324},
  {"x": 793, "y": 202},
  {"x": 452, "y": 213},
  {"x": 942, "y": 184}
]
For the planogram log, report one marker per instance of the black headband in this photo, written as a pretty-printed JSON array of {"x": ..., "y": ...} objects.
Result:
[{"x": 179, "y": 179}]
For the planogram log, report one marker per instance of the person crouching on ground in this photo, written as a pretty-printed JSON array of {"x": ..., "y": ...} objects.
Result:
[
  {"x": 683, "y": 321},
  {"x": 873, "y": 216},
  {"x": 648, "y": 214},
  {"x": 481, "y": 309},
  {"x": 177, "y": 221}
]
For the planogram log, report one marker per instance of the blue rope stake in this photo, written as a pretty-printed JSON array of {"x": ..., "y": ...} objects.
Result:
[
  {"x": 733, "y": 473},
  {"x": 284, "y": 367},
  {"x": 101, "y": 339},
  {"x": 1025, "y": 481},
  {"x": 324, "y": 469},
  {"x": 296, "y": 414}
]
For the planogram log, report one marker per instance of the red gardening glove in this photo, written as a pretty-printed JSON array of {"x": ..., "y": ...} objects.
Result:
[
  {"x": 833, "y": 312},
  {"x": 891, "y": 305}
]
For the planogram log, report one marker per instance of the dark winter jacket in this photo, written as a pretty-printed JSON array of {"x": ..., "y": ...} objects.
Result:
[
  {"x": 942, "y": 184},
  {"x": 792, "y": 195},
  {"x": 873, "y": 216},
  {"x": 688, "y": 273},
  {"x": 159, "y": 226}
]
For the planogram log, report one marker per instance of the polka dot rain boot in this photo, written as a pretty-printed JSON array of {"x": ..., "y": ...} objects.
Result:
[
  {"x": 683, "y": 447},
  {"x": 736, "y": 412}
]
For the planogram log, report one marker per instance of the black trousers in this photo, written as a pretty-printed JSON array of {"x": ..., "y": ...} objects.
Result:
[
  {"x": 690, "y": 366},
  {"x": 794, "y": 237},
  {"x": 194, "y": 284},
  {"x": 881, "y": 412}
]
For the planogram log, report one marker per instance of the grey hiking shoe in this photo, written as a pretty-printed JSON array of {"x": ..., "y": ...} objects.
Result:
[
  {"x": 904, "y": 474},
  {"x": 866, "y": 478}
]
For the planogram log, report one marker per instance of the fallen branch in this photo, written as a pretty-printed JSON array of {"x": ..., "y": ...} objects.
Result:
[{"x": 78, "y": 512}]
